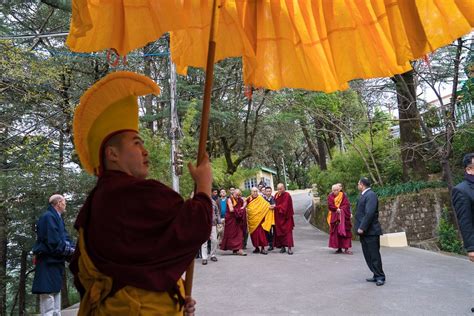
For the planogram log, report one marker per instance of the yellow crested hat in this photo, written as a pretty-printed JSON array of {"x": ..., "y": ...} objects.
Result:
[{"x": 107, "y": 107}]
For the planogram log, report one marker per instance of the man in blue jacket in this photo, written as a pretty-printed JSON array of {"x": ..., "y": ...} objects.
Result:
[
  {"x": 369, "y": 230},
  {"x": 53, "y": 246}
]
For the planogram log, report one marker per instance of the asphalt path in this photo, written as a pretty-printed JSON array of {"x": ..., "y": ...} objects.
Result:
[{"x": 315, "y": 281}]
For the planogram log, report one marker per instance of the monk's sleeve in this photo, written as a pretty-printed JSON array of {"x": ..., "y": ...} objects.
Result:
[
  {"x": 283, "y": 207},
  {"x": 346, "y": 205},
  {"x": 331, "y": 205},
  {"x": 463, "y": 209},
  {"x": 158, "y": 217},
  {"x": 194, "y": 220}
]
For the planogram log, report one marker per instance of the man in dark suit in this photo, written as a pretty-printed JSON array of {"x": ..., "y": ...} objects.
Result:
[
  {"x": 463, "y": 203},
  {"x": 369, "y": 230}
]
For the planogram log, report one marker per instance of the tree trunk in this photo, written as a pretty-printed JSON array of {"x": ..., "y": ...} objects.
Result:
[
  {"x": 410, "y": 132},
  {"x": 148, "y": 98},
  {"x": 312, "y": 147},
  {"x": 22, "y": 284},
  {"x": 3, "y": 227},
  {"x": 450, "y": 119},
  {"x": 321, "y": 146}
]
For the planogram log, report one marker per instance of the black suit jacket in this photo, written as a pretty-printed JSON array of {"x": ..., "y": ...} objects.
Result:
[
  {"x": 463, "y": 202},
  {"x": 367, "y": 213}
]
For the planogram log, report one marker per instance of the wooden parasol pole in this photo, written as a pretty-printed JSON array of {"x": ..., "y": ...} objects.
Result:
[{"x": 206, "y": 109}]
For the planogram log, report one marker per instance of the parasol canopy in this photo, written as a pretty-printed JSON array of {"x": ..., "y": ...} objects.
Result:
[{"x": 309, "y": 44}]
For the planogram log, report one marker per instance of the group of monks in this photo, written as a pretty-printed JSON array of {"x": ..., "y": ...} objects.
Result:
[{"x": 267, "y": 218}]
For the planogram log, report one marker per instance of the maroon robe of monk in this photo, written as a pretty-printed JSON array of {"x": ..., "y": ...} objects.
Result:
[
  {"x": 141, "y": 233},
  {"x": 284, "y": 221},
  {"x": 235, "y": 226},
  {"x": 336, "y": 239}
]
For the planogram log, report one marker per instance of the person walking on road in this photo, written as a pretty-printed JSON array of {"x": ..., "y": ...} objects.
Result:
[
  {"x": 235, "y": 224},
  {"x": 463, "y": 203},
  {"x": 51, "y": 250},
  {"x": 284, "y": 222},
  {"x": 340, "y": 236},
  {"x": 271, "y": 233},
  {"x": 369, "y": 230},
  {"x": 216, "y": 219}
]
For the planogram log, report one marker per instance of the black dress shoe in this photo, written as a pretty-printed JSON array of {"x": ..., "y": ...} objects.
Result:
[
  {"x": 371, "y": 280},
  {"x": 270, "y": 248},
  {"x": 379, "y": 282},
  {"x": 256, "y": 250},
  {"x": 282, "y": 250}
]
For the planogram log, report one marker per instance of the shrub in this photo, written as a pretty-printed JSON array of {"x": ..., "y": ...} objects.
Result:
[{"x": 448, "y": 235}]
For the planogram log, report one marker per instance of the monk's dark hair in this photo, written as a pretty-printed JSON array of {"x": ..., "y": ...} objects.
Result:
[
  {"x": 268, "y": 188},
  {"x": 365, "y": 181},
  {"x": 113, "y": 141},
  {"x": 467, "y": 160}
]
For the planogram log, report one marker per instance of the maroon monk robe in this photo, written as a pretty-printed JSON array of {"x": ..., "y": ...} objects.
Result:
[
  {"x": 258, "y": 237},
  {"x": 140, "y": 232},
  {"x": 335, "y": 239},
  {"x": 284, "y": 221},
  {"x": 235, "y": 226}
]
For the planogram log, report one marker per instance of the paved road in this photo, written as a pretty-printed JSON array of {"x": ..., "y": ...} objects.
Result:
[{"x": 314, "y": 281}]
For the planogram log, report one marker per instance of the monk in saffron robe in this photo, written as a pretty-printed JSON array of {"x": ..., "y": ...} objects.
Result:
[
  {"x": 136, "y": 236},
  {"x": 284, "y": 222},
  {"x": 340, "y": 235},
  {"x": 235, "y": 224},
  {"x": 259, "y": 219}
]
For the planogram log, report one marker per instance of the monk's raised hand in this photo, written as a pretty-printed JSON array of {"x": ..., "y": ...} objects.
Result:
[{"x": 202, "y": 175}]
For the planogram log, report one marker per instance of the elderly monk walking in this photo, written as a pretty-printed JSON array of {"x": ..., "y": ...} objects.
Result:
[
  {"x": 340, "y": 236},
  {"x": 136, "y": 236},
  {"x": 235, "y": 224},
  {"x": 259, "y": 219},
  {"x": 284, "y": 222}
]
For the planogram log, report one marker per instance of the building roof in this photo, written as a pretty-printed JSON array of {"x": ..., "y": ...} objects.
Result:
[{"x": 268, "y": 170}]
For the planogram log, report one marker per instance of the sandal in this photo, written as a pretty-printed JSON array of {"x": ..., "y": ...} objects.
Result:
[
  {"x": 348, "y": 252},
  {"x": 290, "y": 252},
  {"x": 264, "y": 252},
  {"x": 241, "y": 253}
]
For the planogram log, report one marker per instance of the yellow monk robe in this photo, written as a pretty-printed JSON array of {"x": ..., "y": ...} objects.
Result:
[
  {"x": 128, "y": 300},
  {"x": 258, "y": 209}
]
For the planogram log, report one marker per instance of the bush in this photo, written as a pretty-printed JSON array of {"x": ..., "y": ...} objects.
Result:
[
  {"x": 448, "y": 235},
  {"x": 407, "y": 187}
]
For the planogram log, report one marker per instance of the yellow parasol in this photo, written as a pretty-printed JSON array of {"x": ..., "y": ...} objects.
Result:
[{"x": 308, "y": 44}]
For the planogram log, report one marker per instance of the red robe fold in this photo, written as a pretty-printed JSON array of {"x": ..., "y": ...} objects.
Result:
[
  {"x": 235, "y": 227},
  {"x": 140, "y": 232},
  {"x": 284, "y": 221},
  {"x": 336, "y": 240}
]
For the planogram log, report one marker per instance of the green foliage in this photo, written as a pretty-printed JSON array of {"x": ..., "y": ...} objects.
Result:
[
  {"x": 407, "y": 187},
  {"x": 347, "y": 167},
  {"x": 159, "y": 155},
  {"x": 448, "y": 235},
  {"x": 224, "y": 180}
]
